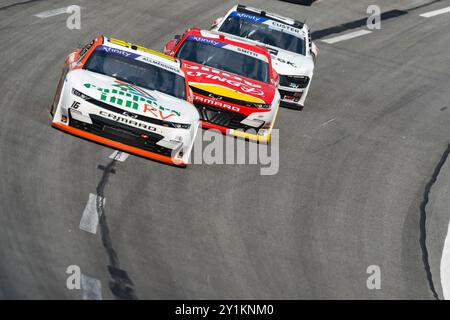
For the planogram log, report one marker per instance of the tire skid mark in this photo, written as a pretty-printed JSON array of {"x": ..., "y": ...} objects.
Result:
[
  {"x": 423, "y": 220},
  {"x": 18, "y": 4},
  {"x": 120, "y": 284}
]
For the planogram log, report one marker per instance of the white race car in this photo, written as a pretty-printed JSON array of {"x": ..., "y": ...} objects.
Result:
[
  {"x": 129, "y": 98},
  {"x": 289, "y": 42}
]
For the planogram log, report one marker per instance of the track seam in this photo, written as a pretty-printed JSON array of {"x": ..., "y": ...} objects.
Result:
[
  {"x": 18, "y": 4},
  {"x": 423, "y": 220},
  {"x": 120, "y": 284}
]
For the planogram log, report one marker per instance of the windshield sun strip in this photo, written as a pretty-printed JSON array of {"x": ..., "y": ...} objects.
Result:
[{"x": 139, "y": 57}]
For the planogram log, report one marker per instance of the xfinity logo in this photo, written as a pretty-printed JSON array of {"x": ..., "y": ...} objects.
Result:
[
  {"x": 248, "y": 17},
  {"x": 115, "y": 51},
  {"x": 203, "y": 40}
]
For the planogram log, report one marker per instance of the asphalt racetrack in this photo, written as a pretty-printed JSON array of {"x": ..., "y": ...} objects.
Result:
[{"x": 358, "y": 182}]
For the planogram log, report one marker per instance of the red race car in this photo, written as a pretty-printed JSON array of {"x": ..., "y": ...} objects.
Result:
[{"x": 233, "y": 82}]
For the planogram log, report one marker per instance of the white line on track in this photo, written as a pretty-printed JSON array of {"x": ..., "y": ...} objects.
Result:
[
  {"x": 90, "y": 217},
  {"x": 445, "y": 266},
  {"x": 119, "y": 156},
  {"x": 51, "y": 13},
  {"x": 91, "y": 288},
  {"x": 347, "y": 36},
  {"x": 435, "y": 12}
]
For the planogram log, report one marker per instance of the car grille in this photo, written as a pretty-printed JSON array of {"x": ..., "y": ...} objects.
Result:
[
  {"x": 122, "y": 133},
  {"x": 224, "y": 118},
  {"x": 297, "y": 82}
]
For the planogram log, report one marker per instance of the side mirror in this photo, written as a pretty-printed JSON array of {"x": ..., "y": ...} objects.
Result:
[
  {"x": 73, "y": 56},
  {"x": 170, "y": 45},
  {"x": 275, "y": 77},
  {"x": 216, "y": 22}
]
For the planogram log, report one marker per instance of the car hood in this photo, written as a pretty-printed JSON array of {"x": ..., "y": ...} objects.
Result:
[
  {"x": 288, "y": 63},
  {"x": 131, "y": 98},
  {"x": 228, "y": 85}
]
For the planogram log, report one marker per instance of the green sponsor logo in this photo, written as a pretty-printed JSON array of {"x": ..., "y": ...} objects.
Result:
[{"x": 125, "y": 95}]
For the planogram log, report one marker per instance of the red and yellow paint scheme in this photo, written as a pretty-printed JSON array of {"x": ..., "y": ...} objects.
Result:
[
  {"x": 129, "y": 98},
  {"x": 236, "y": 94}
]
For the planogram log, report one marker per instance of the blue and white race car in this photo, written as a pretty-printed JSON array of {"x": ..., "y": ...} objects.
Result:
[{"x": 289, "y": 42}]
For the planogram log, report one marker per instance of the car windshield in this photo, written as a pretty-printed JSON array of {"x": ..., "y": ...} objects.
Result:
[
  {"x": 136, "y": 72},
  {"x": 224, "y": 59},
  {"x": 244, "y": 28}
]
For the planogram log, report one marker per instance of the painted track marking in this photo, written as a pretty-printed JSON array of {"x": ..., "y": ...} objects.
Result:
[
  {"x": 51, "y": 13},
  {"x": 90, "y": 217},
  {"x": 445, "y": 266},
  {"x": 347, "y": 36},
  {"x": 435, "y": 12},
  {"x": 119, "y": 156}
]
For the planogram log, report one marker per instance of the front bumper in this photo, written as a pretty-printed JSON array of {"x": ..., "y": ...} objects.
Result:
[
  {"x": 118, "y": 145},
  {"x": 122, "y": 138},
  {"x": 229, "y": 122}
]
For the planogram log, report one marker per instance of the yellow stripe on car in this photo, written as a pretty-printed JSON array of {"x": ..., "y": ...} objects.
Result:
[
  {"x": 250, "y": 136},
  {"x": 226, "y": 92},
  {"x": 144, "y": 49}
]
